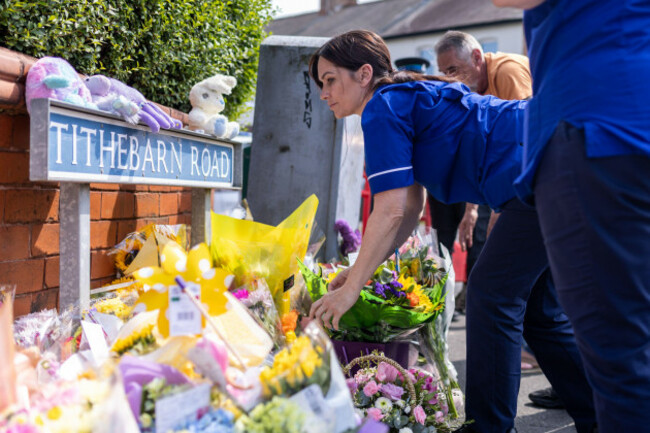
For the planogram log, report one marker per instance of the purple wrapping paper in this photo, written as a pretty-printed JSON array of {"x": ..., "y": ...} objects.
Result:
[
  {"x": 402, "y": 352},
  {"x": 137, "y": 372}
]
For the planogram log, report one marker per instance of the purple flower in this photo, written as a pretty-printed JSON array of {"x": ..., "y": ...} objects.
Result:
[
  {"x": 351, "y": 239},
  {"x": 440, "y": 417},
  {"x": 392, "y": 391},
  {"x": 352, "y": 385},
  {"x": 396, "y": 284},
  {"x": 380, "y": 289}
]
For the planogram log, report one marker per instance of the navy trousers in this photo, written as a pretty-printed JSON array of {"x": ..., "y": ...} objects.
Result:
[
  {"x": 595, "y": 219},
  {"x": 510, "y": 293}
]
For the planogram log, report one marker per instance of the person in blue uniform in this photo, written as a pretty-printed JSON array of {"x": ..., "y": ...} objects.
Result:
[
  {"x": 428, "y": 132},
  {"x": 587, "y": 168}
]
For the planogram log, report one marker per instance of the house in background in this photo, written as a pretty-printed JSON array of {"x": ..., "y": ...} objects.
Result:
[{"x": 411, "y": 28}]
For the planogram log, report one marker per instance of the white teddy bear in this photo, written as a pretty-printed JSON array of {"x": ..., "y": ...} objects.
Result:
[{"x": 207, "y": 102}]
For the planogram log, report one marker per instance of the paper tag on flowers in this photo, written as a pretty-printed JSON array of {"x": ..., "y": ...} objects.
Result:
[
  {"x": 352, "y": 257},
  {"x": 184, "y": 317},
  {"x": 172, "y": 411},
  {"x": 311, "y": 399}
]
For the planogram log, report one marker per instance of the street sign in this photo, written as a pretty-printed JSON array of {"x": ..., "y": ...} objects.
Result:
[
  {"x": 77, "y": 146},
  {"x": 72, "y": 144}
]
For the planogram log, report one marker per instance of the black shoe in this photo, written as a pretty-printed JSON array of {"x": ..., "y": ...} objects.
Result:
[{"x": 546, "y": 398}]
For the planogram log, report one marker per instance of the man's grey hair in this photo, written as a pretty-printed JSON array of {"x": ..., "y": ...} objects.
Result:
[{"x": 463, "y": 43}]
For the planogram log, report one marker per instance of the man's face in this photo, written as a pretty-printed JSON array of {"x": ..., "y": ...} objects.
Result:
[{"x": 461, "y": 68}]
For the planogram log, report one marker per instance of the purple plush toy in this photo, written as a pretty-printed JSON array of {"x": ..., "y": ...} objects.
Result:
[
  {"x": 116, "y": 97},
  {"x": 54, "y": 78}
]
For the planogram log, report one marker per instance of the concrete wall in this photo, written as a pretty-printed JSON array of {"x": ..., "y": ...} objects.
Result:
[
  {"x": 298, "y": 147},
  {"x": 29, "y": 211}
]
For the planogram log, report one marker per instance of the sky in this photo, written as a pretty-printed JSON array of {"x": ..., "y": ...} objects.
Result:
[{"x": 296, "y": 7}]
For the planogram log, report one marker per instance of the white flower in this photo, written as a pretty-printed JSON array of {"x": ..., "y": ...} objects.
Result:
[
  {"x": 405, "y": 430},
  {"x": 383, "y": 404},
  {"x": 407, "y": 409},
  {"x": 400, "y": 403}
]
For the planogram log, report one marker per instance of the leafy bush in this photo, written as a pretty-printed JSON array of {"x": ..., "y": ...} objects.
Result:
[{"x": 160, "y": 47}]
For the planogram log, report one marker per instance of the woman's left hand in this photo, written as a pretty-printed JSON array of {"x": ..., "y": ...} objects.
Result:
[{"x": 329, "y": 309}]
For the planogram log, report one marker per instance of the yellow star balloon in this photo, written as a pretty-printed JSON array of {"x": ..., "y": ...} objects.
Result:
[{"x": 195, "y": 267}]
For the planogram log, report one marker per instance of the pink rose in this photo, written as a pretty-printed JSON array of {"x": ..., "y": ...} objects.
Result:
[
  {"x": 386, "y": 372},
  {"x": 392, "y": 391},
  {"x": 375, "y": 414},
  {"x": 371, "y": 388},
  {"x": 419, "y": 414},
  {"x": 440, "y": 417}
]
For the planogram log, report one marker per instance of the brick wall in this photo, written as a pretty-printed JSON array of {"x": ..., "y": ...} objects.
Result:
[{"x": 29, "y": 211}]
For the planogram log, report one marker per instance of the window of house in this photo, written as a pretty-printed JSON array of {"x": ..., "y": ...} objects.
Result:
[{"x": 489, "y": 45}]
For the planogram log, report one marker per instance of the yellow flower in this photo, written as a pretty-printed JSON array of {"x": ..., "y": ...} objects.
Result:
[{"x": 54, "y": 413}]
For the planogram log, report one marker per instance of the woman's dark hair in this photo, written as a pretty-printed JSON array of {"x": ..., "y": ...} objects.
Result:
[{"x": 354, "y": 49}]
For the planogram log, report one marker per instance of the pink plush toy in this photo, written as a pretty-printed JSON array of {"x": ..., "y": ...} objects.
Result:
[
  {"x": 114, "y": 96},
  {"x": 54, "y": 78}
]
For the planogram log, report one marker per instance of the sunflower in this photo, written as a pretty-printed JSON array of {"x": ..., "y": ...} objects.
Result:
[{"x": 126, "y": 253}]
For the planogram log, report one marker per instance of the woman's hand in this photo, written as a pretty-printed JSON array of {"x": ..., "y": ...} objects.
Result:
[
  {"x": 339, "y": 280},
  {"x": 330, "y": 308}
]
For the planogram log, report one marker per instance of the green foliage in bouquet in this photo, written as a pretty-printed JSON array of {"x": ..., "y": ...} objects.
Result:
[
  {"x": 161, "y": 48},
  {"x": 392, "y": 304}
]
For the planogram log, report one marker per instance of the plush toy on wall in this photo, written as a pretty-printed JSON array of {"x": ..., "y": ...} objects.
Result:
[
  {"x": 116, "y": 97},
  {"x": 207, "y": 102},
  {"x": 54, "y": 78}
]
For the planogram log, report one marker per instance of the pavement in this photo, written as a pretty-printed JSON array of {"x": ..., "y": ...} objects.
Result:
[{"x": 530, "y": 419}]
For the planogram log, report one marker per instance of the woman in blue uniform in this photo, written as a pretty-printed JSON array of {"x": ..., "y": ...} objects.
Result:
[{"x": 426, "y": 132}]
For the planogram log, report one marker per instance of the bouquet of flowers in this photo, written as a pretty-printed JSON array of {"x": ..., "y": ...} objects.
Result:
[
  {"x": 305, "y": 362},
  {"x": 280, "y": 415},
  {"x": 408, "y": 401},
  {"x": 403, "y": 294},
  {"x": 257, "y": 297}
]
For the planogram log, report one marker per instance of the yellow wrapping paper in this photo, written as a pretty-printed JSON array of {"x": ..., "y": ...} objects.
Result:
[{"x": 253, "y": 250}]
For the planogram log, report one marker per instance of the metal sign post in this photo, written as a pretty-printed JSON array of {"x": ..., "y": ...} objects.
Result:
[{"x": 76, "y": 146}]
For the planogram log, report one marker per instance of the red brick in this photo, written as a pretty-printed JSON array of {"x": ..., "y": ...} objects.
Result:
[
  {"x": 6, "y": 130},
  {"x": 169, "y": 203},
  {"x": 95, "y": 284},
  {"x": 45, "y": 300},
  {"x": 180, "y": 219},
  {"x": 124, "y": 228},
  {"x": 14, "y": 167},
  {"x": 141, "y": 188},
  {"x": 45, "y": 240},
  {"x": 31, "y": 205},
  {"x": 95, "y": 205},
  {"x": 22, "y": 305},
  {"x": 185, "y": 202},
  {"x": 105, "y": 186},
  {"x": 101, "y": 265},
  {"x": 2, "y": 206},
  {"x": 27, "y": 275},
  {"x": 146, "y": 205},
  {"x": 158, "y": 220},
  {"x": 103, "y": 234},
  {"x": 52, "y": 272},
  {"x": 159, "y": 188},
  {"x": 21, "y": 132},
  {"x": 14, "y": 242},
  {"x": 117, "y": 205}
]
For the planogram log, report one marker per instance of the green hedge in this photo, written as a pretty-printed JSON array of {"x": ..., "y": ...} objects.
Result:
[{"x": 160, "y": 47}]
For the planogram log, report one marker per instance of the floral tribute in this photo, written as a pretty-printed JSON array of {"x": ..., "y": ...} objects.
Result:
[
  {"x": 382, "y": 393},
  {"x": 403, "y": 294}
]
